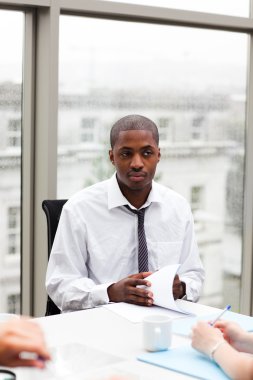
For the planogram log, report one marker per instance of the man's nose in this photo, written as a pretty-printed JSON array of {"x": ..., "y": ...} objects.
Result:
[{"x": 137, "y": 162}]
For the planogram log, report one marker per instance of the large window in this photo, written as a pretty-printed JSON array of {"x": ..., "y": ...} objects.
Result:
[
  {"x": 164, "y": 63},
  {"x": 192, "y": 83},
  {"x": 11, "y": 39}
]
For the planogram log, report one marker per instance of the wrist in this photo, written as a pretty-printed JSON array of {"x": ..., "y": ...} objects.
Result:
[
  {"x": 110, "y": 293},
  {"x": 215, "y": 348}
]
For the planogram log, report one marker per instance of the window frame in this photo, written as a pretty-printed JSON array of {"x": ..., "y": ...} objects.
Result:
[{"x": 40, "y": 117}]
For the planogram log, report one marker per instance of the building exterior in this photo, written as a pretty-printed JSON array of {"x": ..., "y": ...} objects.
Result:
[{"x": 201, "y": 140}]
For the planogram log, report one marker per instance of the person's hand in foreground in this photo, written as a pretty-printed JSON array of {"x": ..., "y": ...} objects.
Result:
[
  {"x": 19, "y": 336},
  {"x": 128, "y": 290},
  {"x": 205, "y": 337},
  {"x": 238, "y": 338},
  {"x": 222, "y": 343}
]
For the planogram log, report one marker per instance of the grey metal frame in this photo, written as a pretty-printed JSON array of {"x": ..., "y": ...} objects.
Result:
[
  {"x": 40, "y": 119},
  {"x": 27, "y": 178}
]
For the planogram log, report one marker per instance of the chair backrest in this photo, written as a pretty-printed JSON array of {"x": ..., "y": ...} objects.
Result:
[{"x": 52, "y": 209}]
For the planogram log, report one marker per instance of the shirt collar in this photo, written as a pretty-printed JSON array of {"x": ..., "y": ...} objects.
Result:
[{"x": 117, "y": 199}]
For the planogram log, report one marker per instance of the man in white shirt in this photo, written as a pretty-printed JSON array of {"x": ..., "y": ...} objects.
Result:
[{"x": 94, "y": 259}]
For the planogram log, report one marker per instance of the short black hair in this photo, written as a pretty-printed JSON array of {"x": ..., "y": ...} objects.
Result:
[{"x": 133, "y": 122}]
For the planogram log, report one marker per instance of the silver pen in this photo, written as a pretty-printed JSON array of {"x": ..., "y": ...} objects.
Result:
[{"x": 228, "y": 307}]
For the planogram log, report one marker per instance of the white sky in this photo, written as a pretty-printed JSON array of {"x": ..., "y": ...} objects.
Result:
[
  {"x": 11, "y": 40},
  {"x": 104, "y": 51},
  {"x": 122, "y": 54}
]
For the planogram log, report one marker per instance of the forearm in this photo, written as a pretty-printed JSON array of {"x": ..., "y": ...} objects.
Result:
[
  {"x": 237, "y": 365},
  {"x": 78, "y": 294}
]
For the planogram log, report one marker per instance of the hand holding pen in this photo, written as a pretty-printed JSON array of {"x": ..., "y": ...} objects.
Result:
[{"x": 20, "y": 337}]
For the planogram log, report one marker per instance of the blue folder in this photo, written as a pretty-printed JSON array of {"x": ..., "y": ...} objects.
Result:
[
  {"x": 185, "y": 360},
  {"x": 183, "y": 326}
]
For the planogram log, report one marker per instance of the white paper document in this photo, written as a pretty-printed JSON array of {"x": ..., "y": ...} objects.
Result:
[
  {"x": 136, "y": 313},
  {"x": 164, "y": 303},
  {"x": 162, "y": 289}
]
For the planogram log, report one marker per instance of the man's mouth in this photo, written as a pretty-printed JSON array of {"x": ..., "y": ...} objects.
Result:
[{"x": 136, "y": 176}]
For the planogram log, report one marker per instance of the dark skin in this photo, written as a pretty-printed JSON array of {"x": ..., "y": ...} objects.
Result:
[
  {"x": 126, "y": 290},
  {"x": 135, "y": 156}
]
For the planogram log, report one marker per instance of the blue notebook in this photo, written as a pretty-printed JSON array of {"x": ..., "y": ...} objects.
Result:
[
  {"x": 186, "y": 360},
  {"x": 183, "y": 326}
]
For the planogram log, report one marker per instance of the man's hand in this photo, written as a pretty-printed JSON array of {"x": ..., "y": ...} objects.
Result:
[
  {"x": 19, "y": 336},
  {"x": 178, "y": 288},
  {"x": 127, "y": 290}
]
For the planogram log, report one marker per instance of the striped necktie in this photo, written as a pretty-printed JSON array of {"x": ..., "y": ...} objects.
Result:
[{"x": 142, "y": 243}]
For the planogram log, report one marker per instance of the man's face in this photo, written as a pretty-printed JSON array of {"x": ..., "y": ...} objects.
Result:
[{"x": 135, "y": 156}]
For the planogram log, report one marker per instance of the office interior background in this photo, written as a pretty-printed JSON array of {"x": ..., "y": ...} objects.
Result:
[{"x": 70, "y": 68}]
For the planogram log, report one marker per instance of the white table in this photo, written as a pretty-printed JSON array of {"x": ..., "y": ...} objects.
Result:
[{"x": 79, "y": 335}]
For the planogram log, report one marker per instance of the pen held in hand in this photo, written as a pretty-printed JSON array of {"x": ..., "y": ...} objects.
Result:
[
  {"x": 39, "y": 361},
  {"x": 30, "y": 356},
  {"x": 228, "y": 307}
]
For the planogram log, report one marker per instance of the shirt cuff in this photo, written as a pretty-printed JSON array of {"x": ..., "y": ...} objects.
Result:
[
  {"x": 188, "y": 293},
  {"x": 100, "y": 295}
]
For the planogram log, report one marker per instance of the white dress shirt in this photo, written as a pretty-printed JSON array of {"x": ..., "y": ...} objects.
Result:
[{"x": 96, "y": 244}]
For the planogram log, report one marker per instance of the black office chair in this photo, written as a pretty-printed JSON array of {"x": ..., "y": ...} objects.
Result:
[{"x": 52, "y": 209}]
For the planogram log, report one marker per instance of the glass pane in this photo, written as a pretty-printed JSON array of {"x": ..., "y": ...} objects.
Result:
[
  {"x": 11, "y": 40},
  {"x": 192, "y": 83},
  {"x": 227, "y": 7}
]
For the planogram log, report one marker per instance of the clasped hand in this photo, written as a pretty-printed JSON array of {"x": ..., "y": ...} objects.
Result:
[{"x": 134, "y": 289}]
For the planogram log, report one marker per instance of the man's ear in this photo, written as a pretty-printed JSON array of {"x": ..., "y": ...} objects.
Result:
[
  {"x": 111, "y": 156},
  {"x": 159, "y": 155}
]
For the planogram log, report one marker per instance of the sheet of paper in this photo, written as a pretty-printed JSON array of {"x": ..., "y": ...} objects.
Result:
[
  {"x": 161, "y": 286},
  {"x": 135, "y": 313}
]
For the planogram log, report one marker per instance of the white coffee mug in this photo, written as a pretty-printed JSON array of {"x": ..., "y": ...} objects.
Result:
[
  {"x": 4, "y": 317},
  {"x": 157, "y": 332}
]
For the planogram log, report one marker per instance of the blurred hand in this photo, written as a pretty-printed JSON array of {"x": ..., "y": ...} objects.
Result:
[
  {"x": 127, "y": 290},
  {"x": 19, "y": 336},
  {"x": 205, "y": 337},
  {"x": 178, "y": 288}
]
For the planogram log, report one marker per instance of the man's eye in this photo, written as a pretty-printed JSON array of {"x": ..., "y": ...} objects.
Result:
[
  {"x": 147, "y": 153},
  {"x": 125, "y": 154}
]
